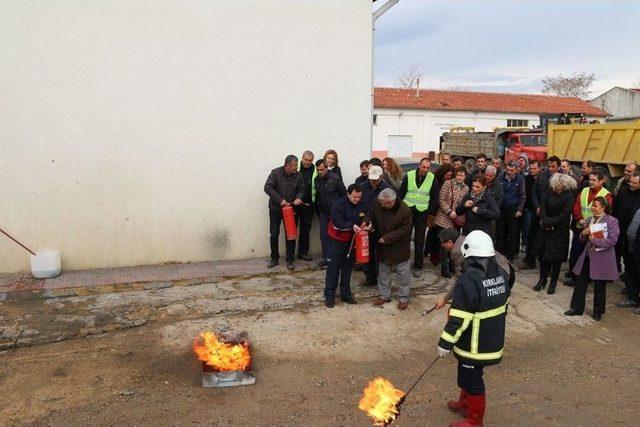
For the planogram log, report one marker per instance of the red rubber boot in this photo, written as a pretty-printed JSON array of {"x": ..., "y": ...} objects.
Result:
[
  {"x": 475, "y": 412},
  {"x": 459, "y": 406}
]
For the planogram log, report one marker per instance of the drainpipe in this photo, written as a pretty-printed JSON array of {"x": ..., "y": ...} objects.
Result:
[{"x": 377, "y": 14}]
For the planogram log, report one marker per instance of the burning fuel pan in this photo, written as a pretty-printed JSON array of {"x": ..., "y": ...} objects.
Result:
[
  {"x": 212, "y": 378},
  {"x": 223, "y": 352}
]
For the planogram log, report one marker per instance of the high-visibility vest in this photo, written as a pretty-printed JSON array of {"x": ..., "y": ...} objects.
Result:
[
  {"x": 418, "y": 196},
  {"x": 313, "y": 179},
  {"x": 585, "y": 206}
]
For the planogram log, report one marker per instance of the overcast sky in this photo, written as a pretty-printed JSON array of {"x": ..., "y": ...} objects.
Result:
[{"x": 509, "y": 45}]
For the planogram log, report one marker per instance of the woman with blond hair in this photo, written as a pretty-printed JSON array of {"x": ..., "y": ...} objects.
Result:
[
  {"x": 331, "y": 159},
  {"x": 552, "y": 239},
  {"x": 394, "y": 172}
]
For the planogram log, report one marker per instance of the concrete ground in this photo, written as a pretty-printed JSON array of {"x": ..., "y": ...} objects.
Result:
[{"x": 117, "y": 351}]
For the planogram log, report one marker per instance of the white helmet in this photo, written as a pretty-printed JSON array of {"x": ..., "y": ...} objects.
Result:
[{"x": 477, "y": 243}]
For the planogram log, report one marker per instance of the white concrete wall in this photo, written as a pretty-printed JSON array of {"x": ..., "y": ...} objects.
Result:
[
  {"x": 621, "y": 103},
  {"x": 142, "y": 132},
  {"x": 426, "y": 126}
]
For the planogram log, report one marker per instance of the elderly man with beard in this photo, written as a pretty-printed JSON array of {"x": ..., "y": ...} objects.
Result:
[{"x": 392, "y": 222}]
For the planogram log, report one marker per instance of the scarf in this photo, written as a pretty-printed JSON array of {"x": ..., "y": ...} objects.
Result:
[{"x": 475, "y": 199}]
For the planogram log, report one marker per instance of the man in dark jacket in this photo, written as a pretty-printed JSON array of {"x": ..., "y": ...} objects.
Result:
[
  {"x": 475, "y": 329},
  {"x": 541, "y": 187},
  {"x": 625, "y": 208},
  {"x": 481, "y": 165},
  {"x": 347, "y": 217},
  {"x": 420, "y": 191},
  {"x": 364, "y": 172},
  {"x": 305, "y": 210},
  {"x": 392, "y": 222},
  {"x": 531, "y": 222},
  {"x": 493, "y": 184},
  {"x": 284, "y": 187},
  {"x": 329, "y": 188},
  {"x": 514, "y": 198},
  {"x": 370, "y": 191}
]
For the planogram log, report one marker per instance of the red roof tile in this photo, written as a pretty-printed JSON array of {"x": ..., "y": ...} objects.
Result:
[{"x": 430, "y": 99}]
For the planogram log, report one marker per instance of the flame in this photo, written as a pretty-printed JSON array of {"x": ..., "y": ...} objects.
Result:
[
  {"x": 221, "y": 356},
  {"x": 380, "y": 401}
]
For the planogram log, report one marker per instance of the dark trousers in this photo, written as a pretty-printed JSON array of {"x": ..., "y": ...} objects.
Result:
[
  {"x": 432, "y": 244},
  {"x": 507, "y": 232},
  {"x": 305, "y": 217},
  {"x": 275, "y": 218},
  {"x": 631, "y": 266},
  {"x": 580, "y": 291},
  {"x": 547, "y": 267},
  {"x": 338, "y": 269},
  {"x": 370, "y": 269},
  {"x": 576, "y": 250},
  {"x": 529, "y": 231},
  {"x": 470, "y": 378},
  {"x": 419, "y": 230},
  {"x": 323, "y": 222}
]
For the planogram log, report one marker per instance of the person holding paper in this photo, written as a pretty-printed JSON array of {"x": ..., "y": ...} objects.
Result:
[{"x": 597, "y": 262}]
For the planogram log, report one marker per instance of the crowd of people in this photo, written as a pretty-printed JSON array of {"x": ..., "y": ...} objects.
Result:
[{"x": 548, "y": 212}]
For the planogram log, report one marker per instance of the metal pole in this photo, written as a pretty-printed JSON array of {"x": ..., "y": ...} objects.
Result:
[
  {"x": 9, "y": 236},
  {"x": 423, "y": 374}
]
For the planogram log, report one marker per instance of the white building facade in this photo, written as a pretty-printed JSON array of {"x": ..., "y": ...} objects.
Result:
[
  {"x": 410, "y": 122},
  {"x": 623, "y": 104},
  {"x": 416, "y": 133},
  {"x": 142, "y": 132}
]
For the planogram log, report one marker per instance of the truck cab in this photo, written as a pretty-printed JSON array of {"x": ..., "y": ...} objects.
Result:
[{"x": 533, "y": 144}]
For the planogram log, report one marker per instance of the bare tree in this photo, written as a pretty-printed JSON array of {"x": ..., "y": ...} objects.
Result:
[
  {"x": 459, "y": 88},
  {"x": 576, "y": 85},
  {"x": 408, "y": 78}
]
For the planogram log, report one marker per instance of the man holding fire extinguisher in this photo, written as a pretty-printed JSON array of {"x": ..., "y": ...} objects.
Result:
[
  {"x": 348, "y": 217},
  {"x": 285, "y": 187}
]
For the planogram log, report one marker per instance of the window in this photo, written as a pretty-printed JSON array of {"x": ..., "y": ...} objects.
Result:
[
  {"x": 375, "y": 119},
  {"x": 515, "y": 123}
]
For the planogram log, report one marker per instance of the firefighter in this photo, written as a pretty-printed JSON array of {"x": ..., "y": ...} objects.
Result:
[
  {"x": 476, "y": 325},
  {"x": 348, "y": 216}
]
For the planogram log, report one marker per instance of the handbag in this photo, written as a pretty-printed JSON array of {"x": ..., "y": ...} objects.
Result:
[{"x": 460, "y": 220}]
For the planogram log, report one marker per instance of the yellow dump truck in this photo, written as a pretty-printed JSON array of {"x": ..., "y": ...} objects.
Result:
[{"x": 609, "y": 145}]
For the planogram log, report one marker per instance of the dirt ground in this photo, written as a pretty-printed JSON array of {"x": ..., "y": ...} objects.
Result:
[{"x": 312, "y": 364}]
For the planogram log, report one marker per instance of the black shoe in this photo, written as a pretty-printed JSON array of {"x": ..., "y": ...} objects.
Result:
[
  {"x": 329, "y": 304},
  {"x": 367, "y": 282},
  {"x": 305, "y": 257},
  {"x": 597, "y": 317},
  {"x": 290, "y": 265},
  {"x": 357, "y": 267},
  {"x": 273, "y": 263},
  {"x": 552, "y": 288},
  {"x": 568, "y": 275},
  {"x": 446, "y": 274},
  {"x": 322, "y": 264},
  {"x": 572, "y": 312},
  {"x": 571, "y": 283},
  {"x": 349, "y": 300},
  {"x": 540, "y": 285}
]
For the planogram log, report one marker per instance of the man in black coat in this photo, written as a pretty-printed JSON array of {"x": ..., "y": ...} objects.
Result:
[
  {"x": 305, "y": 210},
  {"x": 285, "y": 187},
  {"x": 531, "y": 221},
  {"x": 329, "y": 188},
  {"x": 624, "y": 209}
]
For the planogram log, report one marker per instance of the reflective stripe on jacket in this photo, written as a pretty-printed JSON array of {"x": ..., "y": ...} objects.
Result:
[
  {"x": 418, "y": 196},
  {"x": 476, "y": 326}
]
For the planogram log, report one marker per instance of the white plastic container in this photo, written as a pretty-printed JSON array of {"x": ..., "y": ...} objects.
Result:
[{"x": 45, "y": 264}]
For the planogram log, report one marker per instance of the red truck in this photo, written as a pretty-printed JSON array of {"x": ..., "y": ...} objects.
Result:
[{"x": 506, "y": 143}]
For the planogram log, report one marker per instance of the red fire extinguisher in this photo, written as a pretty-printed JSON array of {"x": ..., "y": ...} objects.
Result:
[
  {"x": 362, "y": 247},
  {"x": 290, "y": 227}
]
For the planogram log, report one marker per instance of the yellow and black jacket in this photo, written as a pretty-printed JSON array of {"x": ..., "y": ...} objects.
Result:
[{"x": 476, "y": 325}]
